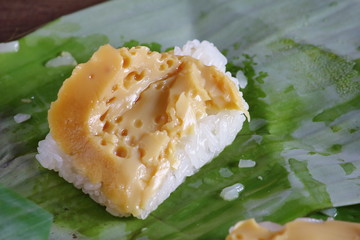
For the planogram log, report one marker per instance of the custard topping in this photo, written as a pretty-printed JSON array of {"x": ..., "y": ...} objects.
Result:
[
  {"x": 296, "y": 230},
  {"x": 120, "y": 115}
]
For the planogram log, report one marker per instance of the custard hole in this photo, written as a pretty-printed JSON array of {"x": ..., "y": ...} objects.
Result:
[
  {"x": 162, "y": 67},
  {"x": 161, "y": 119},
  {"x": 170, "y": 63},
  {"x": 126, "y": 61},
  {"x": 124, "y": 132},
  {"x": 142, "y": 152},
  {"x": 115, "y": 87},
  {"x": 140, "y": 76},
  {"x": 239, "y": 236},
  {"x": 103, "y": 116},
  {"x": 132, "y": 141},
  {"x": 135, "y": 76},
  {"x": 130, "y": 76},
  {"x": 107, "y": 127},
  {"x": 103, "y": 142},
  {"x": 111, "y": 100},
  {"x": 121, "y": 152},
  {"x": 118, "y": 119},
  {"x": 138, "y": 123}
]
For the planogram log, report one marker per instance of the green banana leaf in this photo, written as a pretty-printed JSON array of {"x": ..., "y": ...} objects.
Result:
[
  {"x": 301, "y": 59},
  {"x": 21, "y": 218}
]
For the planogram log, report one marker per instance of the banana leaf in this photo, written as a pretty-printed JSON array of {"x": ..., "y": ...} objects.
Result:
[
  {"x": 301, "y": 59},
  {"x": 21, "y": 218}
]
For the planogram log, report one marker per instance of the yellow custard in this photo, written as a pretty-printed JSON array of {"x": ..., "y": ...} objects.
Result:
[
  {"x": 297, "y": 230},
  {"x": 120, "y": 116}
]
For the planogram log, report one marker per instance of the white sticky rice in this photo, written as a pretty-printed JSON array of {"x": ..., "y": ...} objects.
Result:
[{"x": 212, "y": 134}]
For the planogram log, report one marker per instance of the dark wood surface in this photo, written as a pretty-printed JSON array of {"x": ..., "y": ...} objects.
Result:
[{"x": 20, "y": 17}]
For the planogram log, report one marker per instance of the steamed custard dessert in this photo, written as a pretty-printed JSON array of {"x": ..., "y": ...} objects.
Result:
[
  {"x": 301, "y": 229},
  {"x": 129, "y": 124}
]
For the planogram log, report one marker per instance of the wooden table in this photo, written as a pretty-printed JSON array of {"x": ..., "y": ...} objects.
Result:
[{"x": 20, "y": 17}]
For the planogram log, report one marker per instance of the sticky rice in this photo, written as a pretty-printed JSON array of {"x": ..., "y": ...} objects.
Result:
[{"x": 209, "y": 137}]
